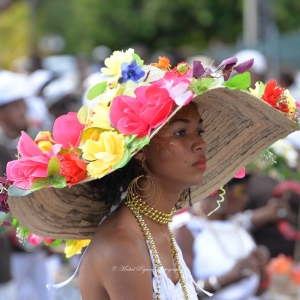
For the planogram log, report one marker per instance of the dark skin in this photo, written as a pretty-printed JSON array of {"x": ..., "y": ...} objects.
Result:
[
  {"x": 13, "y": 118},
  {"x": 119, "y": 243}
]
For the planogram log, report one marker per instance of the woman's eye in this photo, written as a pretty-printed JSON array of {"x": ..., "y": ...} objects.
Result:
[
  {"x": 180, "y": 132},
  {"x": 200, "y": 132}
]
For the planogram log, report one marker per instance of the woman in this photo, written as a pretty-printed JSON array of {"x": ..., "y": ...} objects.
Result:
[
  {"x": 175, "y": 160},
  {"x": 221, "y": 254},
  {"x": 133, "y": 254}
]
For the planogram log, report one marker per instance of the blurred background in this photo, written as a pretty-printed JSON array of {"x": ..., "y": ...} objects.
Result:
[{"x": 51, "y": 52}]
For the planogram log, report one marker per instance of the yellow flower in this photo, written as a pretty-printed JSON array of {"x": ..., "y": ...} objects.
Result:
[
  {"x": 103, "y": 153},
  {"x": 113, "y": 63},
  {"x": 100, "y": 117},
  {"x": 75, "y": 246},
  {"x": 290, "y": 99},
  {"x": 255, "y": 91},
  {"x": 44, "y": 141}
]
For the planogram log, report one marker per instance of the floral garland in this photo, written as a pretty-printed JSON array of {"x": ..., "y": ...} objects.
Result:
[{"x": 96, "y": 141}]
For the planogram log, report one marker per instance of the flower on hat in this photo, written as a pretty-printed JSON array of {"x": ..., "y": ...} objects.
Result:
[
  {"x": 273, "y": 93},
  {"x": 32, "y": 164},
  {"x": 100, "y": 117},
  {"x": 181, "y": 68},
  {"x": 103, "y": 153},
  {"x": 177, "y": 87},
  {"x": 140, "y": 115},
  {"x": 163, "y": 63},
  {"x": 67, "y": 130},
  {"x": 114, "y": 62},
  {"x": 72, "y": 168},
  {"x": 131, "y": 72},
  {"x": 4, "y": 185},
  {"x": 44, "y": 141},
  {"x": 75, "y": 246}
]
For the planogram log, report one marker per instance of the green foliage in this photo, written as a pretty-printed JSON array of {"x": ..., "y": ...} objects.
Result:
[{"x": 159, "y": 24}]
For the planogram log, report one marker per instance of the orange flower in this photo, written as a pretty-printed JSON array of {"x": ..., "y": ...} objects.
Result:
[
  {"x": 163, "y": 63},
  {"x": 281, "y": 264},
  {"x": 181, "y": 68},
  {"x": 72, "y": 168}
]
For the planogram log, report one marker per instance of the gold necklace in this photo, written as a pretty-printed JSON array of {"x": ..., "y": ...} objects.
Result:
[
  {"x": 132, "y": 200},
  {"x": 157, "y": 263}
]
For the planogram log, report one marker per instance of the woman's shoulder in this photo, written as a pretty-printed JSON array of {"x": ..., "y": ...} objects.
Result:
[{"x": 118, "y": 238}]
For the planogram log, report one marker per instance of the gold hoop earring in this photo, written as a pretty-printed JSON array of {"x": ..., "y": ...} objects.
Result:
[{"x": 134, "y": 189}]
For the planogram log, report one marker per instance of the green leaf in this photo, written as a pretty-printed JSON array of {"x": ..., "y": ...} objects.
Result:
[
  {"x": 56, "y": 243},
  {"x": 138, "y": 144},
  {"x": 240, "y": 81},
  {"x": 125, "y": 159},
  {"x": 139, "y": 61},
  {"x": 17, "y": 192},
  {"x": 96, "y": 90},
  {"x": 53, "y": 166},
  {"x": 199, "y": 86},
  {"x": 40, "y": 183},
  {"x": 15, "y": 222},
  {"x": 58, "y": 181}
]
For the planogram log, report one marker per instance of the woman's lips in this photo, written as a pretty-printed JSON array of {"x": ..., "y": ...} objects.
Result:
[{"x": 200, "y": 164}]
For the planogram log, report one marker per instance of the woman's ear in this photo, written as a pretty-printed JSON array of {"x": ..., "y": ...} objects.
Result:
[{"x": 140, "y": 156}]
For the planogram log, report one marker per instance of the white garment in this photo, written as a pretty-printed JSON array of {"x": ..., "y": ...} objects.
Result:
[
  {"x": 217, "y": 247},
  {"x": 169, "y": 290},
  {"x": 8, "y": 291},
  {"x": 30, "y": 275}
]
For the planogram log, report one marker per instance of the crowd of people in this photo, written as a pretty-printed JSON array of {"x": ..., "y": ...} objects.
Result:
[{"x": 227, "y": 252}]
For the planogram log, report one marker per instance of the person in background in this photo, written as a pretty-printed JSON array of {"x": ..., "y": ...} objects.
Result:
[
  {"x": 28, "y": 267},
  {"x": 13, "y": 91},
  {"x": 221, "y": 254},
  {"x": 266, "y": 208}
]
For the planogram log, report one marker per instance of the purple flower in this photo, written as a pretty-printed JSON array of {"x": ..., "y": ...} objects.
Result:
[
  {"x": 4, "y": 185},
  {"x": 131, "y": 72}
]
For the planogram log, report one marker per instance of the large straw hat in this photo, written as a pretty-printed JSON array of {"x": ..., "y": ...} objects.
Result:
[{"x": 238, "y": 127}]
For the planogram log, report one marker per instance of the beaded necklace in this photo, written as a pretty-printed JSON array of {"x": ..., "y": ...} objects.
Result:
[
  {"x": 143, "y": 208},
  {"x": 135, "y": 209}
]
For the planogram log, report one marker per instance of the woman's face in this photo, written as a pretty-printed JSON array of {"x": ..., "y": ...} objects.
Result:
[{"x": 177, "y": 153}]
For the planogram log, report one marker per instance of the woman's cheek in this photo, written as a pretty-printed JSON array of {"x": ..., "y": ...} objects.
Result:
[{"x": 167, "y": 150}]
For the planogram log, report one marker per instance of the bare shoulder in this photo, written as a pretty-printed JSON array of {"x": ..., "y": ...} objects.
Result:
[{"x": 114, "y": 263}]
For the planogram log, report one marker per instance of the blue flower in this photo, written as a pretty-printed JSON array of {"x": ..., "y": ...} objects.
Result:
[{"x": 131, "y": 72}]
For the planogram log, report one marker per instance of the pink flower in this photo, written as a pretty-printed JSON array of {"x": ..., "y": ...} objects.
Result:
[
  {"x": 67, "y": 130},
  {"x": 140, "y": 115},
  {"x": 32, "y": 164},
  {"x": 241, "y": 173},
  {"x": 34, "y": 239},
  {"x": 177, "y": 87}
]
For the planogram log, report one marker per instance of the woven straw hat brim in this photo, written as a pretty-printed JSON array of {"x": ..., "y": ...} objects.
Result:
[{"x": 238, "y": 127}]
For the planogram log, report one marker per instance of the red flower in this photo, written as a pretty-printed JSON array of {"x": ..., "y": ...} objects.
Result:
[
  {"x": 140, "y": 115},
  {"x": 273, "y": 94},
  {"x": 72, "y": 168}
]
